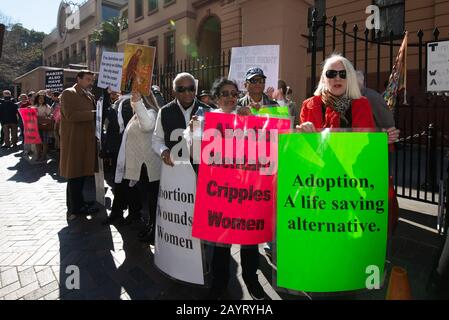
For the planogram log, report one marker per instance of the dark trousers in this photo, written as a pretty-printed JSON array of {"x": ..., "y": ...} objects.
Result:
[
  {"x": 153, "y": 192},
  {"x": 127, "y": 197},
  {"x": 249, "y": 259},
  {"x": 124, "y": 197},
  {"x": 75, "y": 198}
]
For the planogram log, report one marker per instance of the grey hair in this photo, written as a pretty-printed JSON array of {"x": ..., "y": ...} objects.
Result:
[
  {"x": 183, "y": 75},
  {"x": 360, "y": 79},
  {"x": 352, "y": 88},
  {"x": 6, "y": 93}
]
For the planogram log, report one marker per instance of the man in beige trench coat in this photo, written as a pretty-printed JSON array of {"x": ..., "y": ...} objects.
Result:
[{"x": 78, "y": 144}]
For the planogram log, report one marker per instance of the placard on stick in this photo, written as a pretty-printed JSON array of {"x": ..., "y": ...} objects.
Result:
[{"x": 111, "y": 70}]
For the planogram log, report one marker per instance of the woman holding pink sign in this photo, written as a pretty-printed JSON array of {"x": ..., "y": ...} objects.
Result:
[{"x": 227, "y": 93}]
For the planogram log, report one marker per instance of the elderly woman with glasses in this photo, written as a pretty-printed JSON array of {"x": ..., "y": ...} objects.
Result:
[
  {"x": 226, "y": 93},
  {"x": 337, "y": 101}
]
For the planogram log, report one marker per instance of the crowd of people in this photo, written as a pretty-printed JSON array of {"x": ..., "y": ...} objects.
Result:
[
  {"x": 136, "y": 140},
  {"x": 47, "y": 106}
]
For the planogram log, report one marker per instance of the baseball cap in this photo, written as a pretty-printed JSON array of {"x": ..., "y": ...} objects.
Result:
[{"x": 253, "y": 72}]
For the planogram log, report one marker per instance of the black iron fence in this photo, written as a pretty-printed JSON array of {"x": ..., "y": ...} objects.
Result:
[
  {"x": 205, "y": 69},
  {"x": 420, "y": 159}
]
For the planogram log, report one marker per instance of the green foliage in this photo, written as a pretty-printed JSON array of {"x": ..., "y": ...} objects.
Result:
[
  {"x": 22, "y": 52},
  {"x": 108, "y": 34}
]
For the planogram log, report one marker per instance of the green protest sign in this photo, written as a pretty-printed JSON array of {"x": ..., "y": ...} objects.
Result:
[
  {"x": 277, "y": 111},
  {"x": 332, "y": 211}
]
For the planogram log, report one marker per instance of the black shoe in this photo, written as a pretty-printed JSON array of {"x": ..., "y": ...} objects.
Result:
[
  {"x": 216, "y": 294},
  {"x": 149, "y": 237},
  {"x": 88, "y": 211},
  {"x": 89, "y": 204},
  {"x": 112, "y": 219},
  {"x": 5, "y": 147},
  {"x": 145, "y": 231},
  {"x": 256, "y": 291},
  {"x": 143, "y": 234},
  {"x": 130, "y": 220}
]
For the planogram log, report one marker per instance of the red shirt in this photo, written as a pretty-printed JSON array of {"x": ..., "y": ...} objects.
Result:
[{"x": 312, "y": 111}]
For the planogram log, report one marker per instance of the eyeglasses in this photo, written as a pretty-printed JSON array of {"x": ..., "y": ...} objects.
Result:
[
  {"x": 257, "y": 80},
  {"x": 331, "y": 74},
  {"x": 184, "y": 89},
  {"x": 226, "y": 94}
]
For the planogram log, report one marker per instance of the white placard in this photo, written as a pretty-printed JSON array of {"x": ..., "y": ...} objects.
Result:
[
  {"x": 99, "y": 183},
  {"x": 99, "y": 119},
  {"x": 111, "y": 70},
  {"x": 438, "y": 66},
  {"x": 177, "y": 253},
  {"x": 264, "y": 57}
]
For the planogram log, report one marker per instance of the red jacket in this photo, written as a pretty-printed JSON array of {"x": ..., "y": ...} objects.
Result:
[{"x": 312, "y": 111}]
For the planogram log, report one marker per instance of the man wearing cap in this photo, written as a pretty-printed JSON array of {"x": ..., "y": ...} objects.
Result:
[{"x": 255, "y": 86}]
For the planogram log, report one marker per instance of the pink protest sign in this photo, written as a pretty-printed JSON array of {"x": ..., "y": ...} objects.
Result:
[
  {"x": 236, "y": 181},
  {"x": 31, "y": 131}
]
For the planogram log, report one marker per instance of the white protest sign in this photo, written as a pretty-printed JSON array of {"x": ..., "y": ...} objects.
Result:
[
  {"x": 177, "y": 253},
  {"x": 264, "y": 57},
  {"x": 99, "y": 183},
  {"x": 111, "y": 70},
  {"x": 438, "y": 66},
  {"x": 99, "y": 119}
]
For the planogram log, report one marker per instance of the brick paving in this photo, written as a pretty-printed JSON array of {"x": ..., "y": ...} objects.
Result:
[{"x": 37, "y": 246}]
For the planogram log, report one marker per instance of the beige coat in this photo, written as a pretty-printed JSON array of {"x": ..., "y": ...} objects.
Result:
[
  {"x": 78, "y": 144},
  {"x": 139, "y": 150}
]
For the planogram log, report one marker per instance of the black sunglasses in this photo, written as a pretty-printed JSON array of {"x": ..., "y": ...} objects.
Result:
[
  {"x": 257, "y": 80},
  {"x": 226, "y": 94},
  {"x": 331, "y": 74},
  {"x": 184, "y": 89}
]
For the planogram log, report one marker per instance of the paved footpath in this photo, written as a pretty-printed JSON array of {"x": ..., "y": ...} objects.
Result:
[{"x": 38, "y": 248}]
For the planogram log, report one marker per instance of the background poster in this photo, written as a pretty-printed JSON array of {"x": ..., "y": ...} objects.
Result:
[
  {"x": 438, "y": 66},
  {"x": 54, "y": 80},
  {"x": 138, "y": 68},
  {"x": 111, "y": 70},
  {"x": 332, "y": 210},
  {"x": 264, "y": 57}
]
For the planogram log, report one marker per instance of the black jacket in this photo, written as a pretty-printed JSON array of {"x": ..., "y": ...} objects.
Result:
[
  {"x": 172, "y": 119},
  {"x": 8, "y": 111},
  {"x": 112, "y": 140}
]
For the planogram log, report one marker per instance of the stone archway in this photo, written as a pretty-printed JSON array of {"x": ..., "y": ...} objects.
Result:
[
  {"x": 209, "y": 50},
  {"x": 209, "y": 37}
]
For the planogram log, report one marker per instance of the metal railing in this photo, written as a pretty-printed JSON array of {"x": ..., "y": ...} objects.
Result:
[
  {"x": 420, "y": 157},
  {"x": 205, "y": 69}
]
